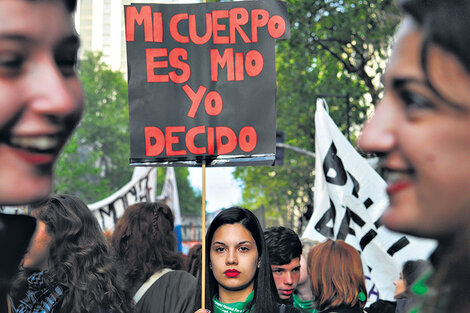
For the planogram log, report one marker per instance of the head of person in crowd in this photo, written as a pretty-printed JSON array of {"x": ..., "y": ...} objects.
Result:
[
  {"x": 303, "y": 296},
  {"x": 41, "y": 98},
  {"x": 284, "y": 248},
  {"x": 144, "y": 242},
  {"x": 70, "y": 261},
  {"x": 412, "y": 271},
  {"x": 420, "y": 133},
  {"x": 237, "y": 267},
  {"x": 337, "y": 276},
  {"x": 304, "y": 278},
  {"x": 193, "y": 260}
]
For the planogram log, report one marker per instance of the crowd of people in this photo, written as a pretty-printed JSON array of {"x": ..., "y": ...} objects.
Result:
[{"x": 62, "y": 262}]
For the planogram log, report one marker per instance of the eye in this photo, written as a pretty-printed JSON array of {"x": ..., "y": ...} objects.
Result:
[
  {"x": 67, "y": 63},
  {"x": 219, "y": 249},
  {"x": 11, "y": 64},
  {"x": 414, "y": 101},
  {"x": 244, "y": 249}
]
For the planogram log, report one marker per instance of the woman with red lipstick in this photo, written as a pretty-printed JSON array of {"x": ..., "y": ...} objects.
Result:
[
  {"x": 421, "y": 132},
  {"x": 41, "y": 102},
  {"x": 238, "y": 274},
  {"x": 338, "y": 282}
]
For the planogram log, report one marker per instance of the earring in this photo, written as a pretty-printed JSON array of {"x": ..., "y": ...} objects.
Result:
[{"x": 210, "y": 265}]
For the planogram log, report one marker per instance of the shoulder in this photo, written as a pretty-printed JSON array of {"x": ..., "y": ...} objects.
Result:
[
  {"x": 173, "y": 292},
  {"x": 382, "y": 306}
]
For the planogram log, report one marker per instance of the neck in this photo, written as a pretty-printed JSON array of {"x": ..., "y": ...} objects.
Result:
[
  {"x": 304, "y": 292},
  {"x": 230, "y": 296}
]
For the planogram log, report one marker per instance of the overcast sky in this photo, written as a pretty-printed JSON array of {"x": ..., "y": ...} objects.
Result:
[{"x": 222, "y": 191}]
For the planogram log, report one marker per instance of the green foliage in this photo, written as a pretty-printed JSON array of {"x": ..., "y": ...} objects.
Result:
[
  {"x": 95, "y": 162},
  {"x": 336, "y": 48}
]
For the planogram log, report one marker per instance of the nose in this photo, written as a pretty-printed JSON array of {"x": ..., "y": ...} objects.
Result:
[
  {"x": 51, "y": 92},
  {"x": 288, "y": 280},
  {"x": 378, "y": 134},
  {"x": 395, "y": 282},
  {"x": 231, "y": 257}
]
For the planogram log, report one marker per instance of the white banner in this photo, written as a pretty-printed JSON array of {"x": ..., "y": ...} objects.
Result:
[
  {"x": 141, "y": 188},
  {"x": 349, "y": 200},
  {"x": 170, "y": 194}
]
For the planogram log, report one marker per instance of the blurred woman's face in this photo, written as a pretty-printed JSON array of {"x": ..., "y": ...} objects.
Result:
[
  {"x": 37, "y": 256},
  {"x": 423, "y": 139},
  {"x": 41, "y": 98},
  {"x": 234, "y": 259}
]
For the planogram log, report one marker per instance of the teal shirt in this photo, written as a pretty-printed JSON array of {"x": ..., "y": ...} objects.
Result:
[
  {"x": 304, "y": 306},
  {"x": 236, "y": 307}
]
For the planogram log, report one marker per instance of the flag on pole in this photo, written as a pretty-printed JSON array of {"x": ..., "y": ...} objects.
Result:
[
  {"x": 349, "y": 200},
  {"x": 170, "y": 197}
]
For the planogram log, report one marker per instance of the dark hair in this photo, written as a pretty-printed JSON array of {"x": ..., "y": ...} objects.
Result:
[
  {"x": 444, "y": 23},
  {"x": 79, "y": 257},
  {"x": 144, "y": 242},
  {"x": 336, "y": 273},
  {"x": 192, "y": 261},
  {"x": 283, "y": 245},
  {"x": 70, "y": 5},
  {"x": 413, "y": 269},
  {"x": 265, "y": 297}
]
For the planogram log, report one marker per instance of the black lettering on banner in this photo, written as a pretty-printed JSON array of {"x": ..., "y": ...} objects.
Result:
[
  {"x": 133, "y": 192},
  {"x": 397, "y": 246},
  {"x": 368, "y": 203},
  {"x": 378, "y": 223},
  {"x": 345, "y": 228},
  {"x": 332, "y": 161},
  {"x": 110, "y": 212},
  {"x": 355, "y": 191},
  {"x": 367, "y": 238},
  {"x": 330, "y": 215}
]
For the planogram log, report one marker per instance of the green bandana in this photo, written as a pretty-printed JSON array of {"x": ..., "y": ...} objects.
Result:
[
  {"x": 236, "y": 307},
  {"x": 304, "y": 306}
]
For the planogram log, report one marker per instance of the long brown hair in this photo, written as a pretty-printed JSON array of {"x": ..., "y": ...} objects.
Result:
[
  {"x": 144, "y": 242},
  {"x": 335, "y": 270},
  {"x": 79, "y": 258}
]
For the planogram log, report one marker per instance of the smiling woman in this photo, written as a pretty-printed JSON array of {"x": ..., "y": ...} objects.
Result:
[
  {"x": 41, "y": 96},
  {"x": 41, "y": 102},
  {"x": 420, "y": 130}
]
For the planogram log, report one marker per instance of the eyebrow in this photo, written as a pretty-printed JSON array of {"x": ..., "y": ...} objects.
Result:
[
  {"x": 71, "y": 39},
  {"x": 400, "y": 82},
  {"x": 222, "y": 243}
]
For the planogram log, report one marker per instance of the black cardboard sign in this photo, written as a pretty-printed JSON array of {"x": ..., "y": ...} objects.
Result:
[{"x": 202, "y": 82}]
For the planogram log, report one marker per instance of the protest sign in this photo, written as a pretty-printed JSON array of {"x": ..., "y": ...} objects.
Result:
[
  {"x": 202, "y": 82},
  {"x": 348, "y": 202}
]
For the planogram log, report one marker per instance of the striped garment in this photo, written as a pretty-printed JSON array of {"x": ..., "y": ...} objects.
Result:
[{"x": 40, "y": 298}]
